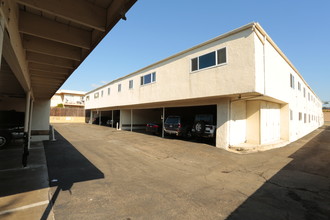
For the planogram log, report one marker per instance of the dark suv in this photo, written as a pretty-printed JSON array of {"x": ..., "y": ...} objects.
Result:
[
  {"x": 11, "y": 126},
  {"x": 178, "y": 126}
]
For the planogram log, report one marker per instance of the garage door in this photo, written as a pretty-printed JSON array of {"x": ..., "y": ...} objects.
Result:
[{"x": 270, "y": 122}]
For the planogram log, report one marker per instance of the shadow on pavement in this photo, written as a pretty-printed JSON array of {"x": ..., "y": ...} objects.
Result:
[
  {"x": 15, "y": 179},
  {"x": 301, "y": 190},
  {"x": 66, "y": 166}
]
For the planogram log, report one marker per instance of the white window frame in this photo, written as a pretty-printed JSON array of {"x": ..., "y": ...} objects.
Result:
[
  {"x": 131, "y": 84},
  {"x": 216, "y": 60},
  {"x": 153, "y": 77}
]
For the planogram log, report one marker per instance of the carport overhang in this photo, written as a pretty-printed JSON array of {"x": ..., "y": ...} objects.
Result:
[{"x": 42, "y": 42}]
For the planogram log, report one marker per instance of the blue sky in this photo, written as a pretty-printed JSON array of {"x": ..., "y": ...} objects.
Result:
[{"x": 156, "y": 29}]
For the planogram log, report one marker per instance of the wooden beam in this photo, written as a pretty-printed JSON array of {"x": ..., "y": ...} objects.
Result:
[
  {"x": 47, "y": 75},
  {"x": 78, "y": 11},
  {"x": 52, "y": 30},
  {"x": 39, "y": 45},
  {"x": 45, "y": 84},
  {"x": 46, "y": 78},
  {"x": 48, "y": 68},
  {"x": 49, "y": 60}
]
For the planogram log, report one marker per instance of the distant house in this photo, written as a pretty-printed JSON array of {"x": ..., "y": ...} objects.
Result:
[{"x": 68, "y": 99}]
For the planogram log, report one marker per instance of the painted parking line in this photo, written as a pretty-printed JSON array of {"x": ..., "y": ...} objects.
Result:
[{"x": 24, "y": 207}]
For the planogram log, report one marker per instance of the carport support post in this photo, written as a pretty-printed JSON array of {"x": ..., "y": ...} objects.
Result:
[
  {"x": 2, "y": 28},
  {"x": 91, "y": 117},
  {"x": 112, "y": 118},
  {"x": 100, "y": 118},
  {"x": 223, "y": 120},
  {"x": 30, "y": 123},
  {"x": 131, "y": 119},
  {"x": 163, "y": 119},
  {"x": 26, "y": 129}
]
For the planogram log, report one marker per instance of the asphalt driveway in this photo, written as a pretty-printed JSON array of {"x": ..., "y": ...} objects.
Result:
[{"x": 101, "y": 173}]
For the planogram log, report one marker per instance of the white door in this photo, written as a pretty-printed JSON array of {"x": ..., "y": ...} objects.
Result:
[{"x": 270, "y": 122}]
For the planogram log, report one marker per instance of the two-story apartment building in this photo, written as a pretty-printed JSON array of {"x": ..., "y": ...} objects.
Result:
[{"x": 255, "y": 93}]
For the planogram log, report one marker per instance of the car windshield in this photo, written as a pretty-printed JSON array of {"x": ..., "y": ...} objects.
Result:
[
  {"x": 172, "y": 120},
  {"x": 204, "y": 117}
]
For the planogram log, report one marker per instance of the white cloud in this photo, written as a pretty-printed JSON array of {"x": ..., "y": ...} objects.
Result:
[
  {"x": 95, "y": 85},
  {"x": 104, "y": 82}
]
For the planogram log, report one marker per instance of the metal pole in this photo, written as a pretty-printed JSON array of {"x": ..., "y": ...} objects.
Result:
[{"x": 163, "y": 119}]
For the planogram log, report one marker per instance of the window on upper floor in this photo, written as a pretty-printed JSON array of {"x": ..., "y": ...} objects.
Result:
[
  {"x": 299, "y": 86},
  {"x": 291, "y": 81},
  {"x": 291, "y": 115},
  {"x": 304, "y": 92},
  {"x": 87, "y": 98},
  {"x": 149, "y": 78},
  {"x": 130, "y": 84},
  {"x": 96, "y": 95},
  {"x": 210, "y": 59},
  {"x": 102, "y": 93},
  {"x": 119, "y": 87},
  {"x": 300, "y": 116},
  {"x": 108, "y": 91}
]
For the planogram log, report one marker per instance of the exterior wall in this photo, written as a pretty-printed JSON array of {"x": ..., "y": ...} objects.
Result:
[
  {"x": 253, "y": 122},
  {"x": 40, "y": 120},
  {"x": 223, "y": 121},
  {"x": 273, "y": 71},
  {"x": 175, "y": 81},
  {"x": 238, "y": 123},
  {"x": 56, "y": 99}
]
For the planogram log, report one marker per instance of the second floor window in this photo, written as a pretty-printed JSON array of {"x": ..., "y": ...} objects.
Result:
[
  {"x": 149, "y": 78},
  {"x": 130, "y": 84},
  {"x": 291, "y": 81},
  {"x": 210, "y": 59},
  {"x": 119, "y": 87}
]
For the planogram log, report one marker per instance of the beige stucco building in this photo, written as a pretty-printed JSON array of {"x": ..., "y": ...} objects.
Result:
[
  {"x": 257, "y": 95},
  {"x": 68, "y": 98}
]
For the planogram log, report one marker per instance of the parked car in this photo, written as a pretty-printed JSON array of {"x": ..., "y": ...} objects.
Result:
[
  {"x": 11, "y": 127},
  {"x": 204, "y": 126},
  {"x": 154, "y": 128},
  {"x": 178, "y": 125}
]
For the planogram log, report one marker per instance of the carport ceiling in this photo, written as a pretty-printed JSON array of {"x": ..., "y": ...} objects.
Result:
[
  {"x": 9, "y": 86},
  {"x": 58, "y": 35}
]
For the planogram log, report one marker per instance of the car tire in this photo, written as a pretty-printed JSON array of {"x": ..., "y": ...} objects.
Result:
[
  {"x": 199, "y": 127},
  {"x": 4, "y": 141}
]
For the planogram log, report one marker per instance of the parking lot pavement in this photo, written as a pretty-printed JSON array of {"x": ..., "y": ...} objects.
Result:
[
  {"x": 101, "y": 173},
  {"x": 24, "y": 192}
]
